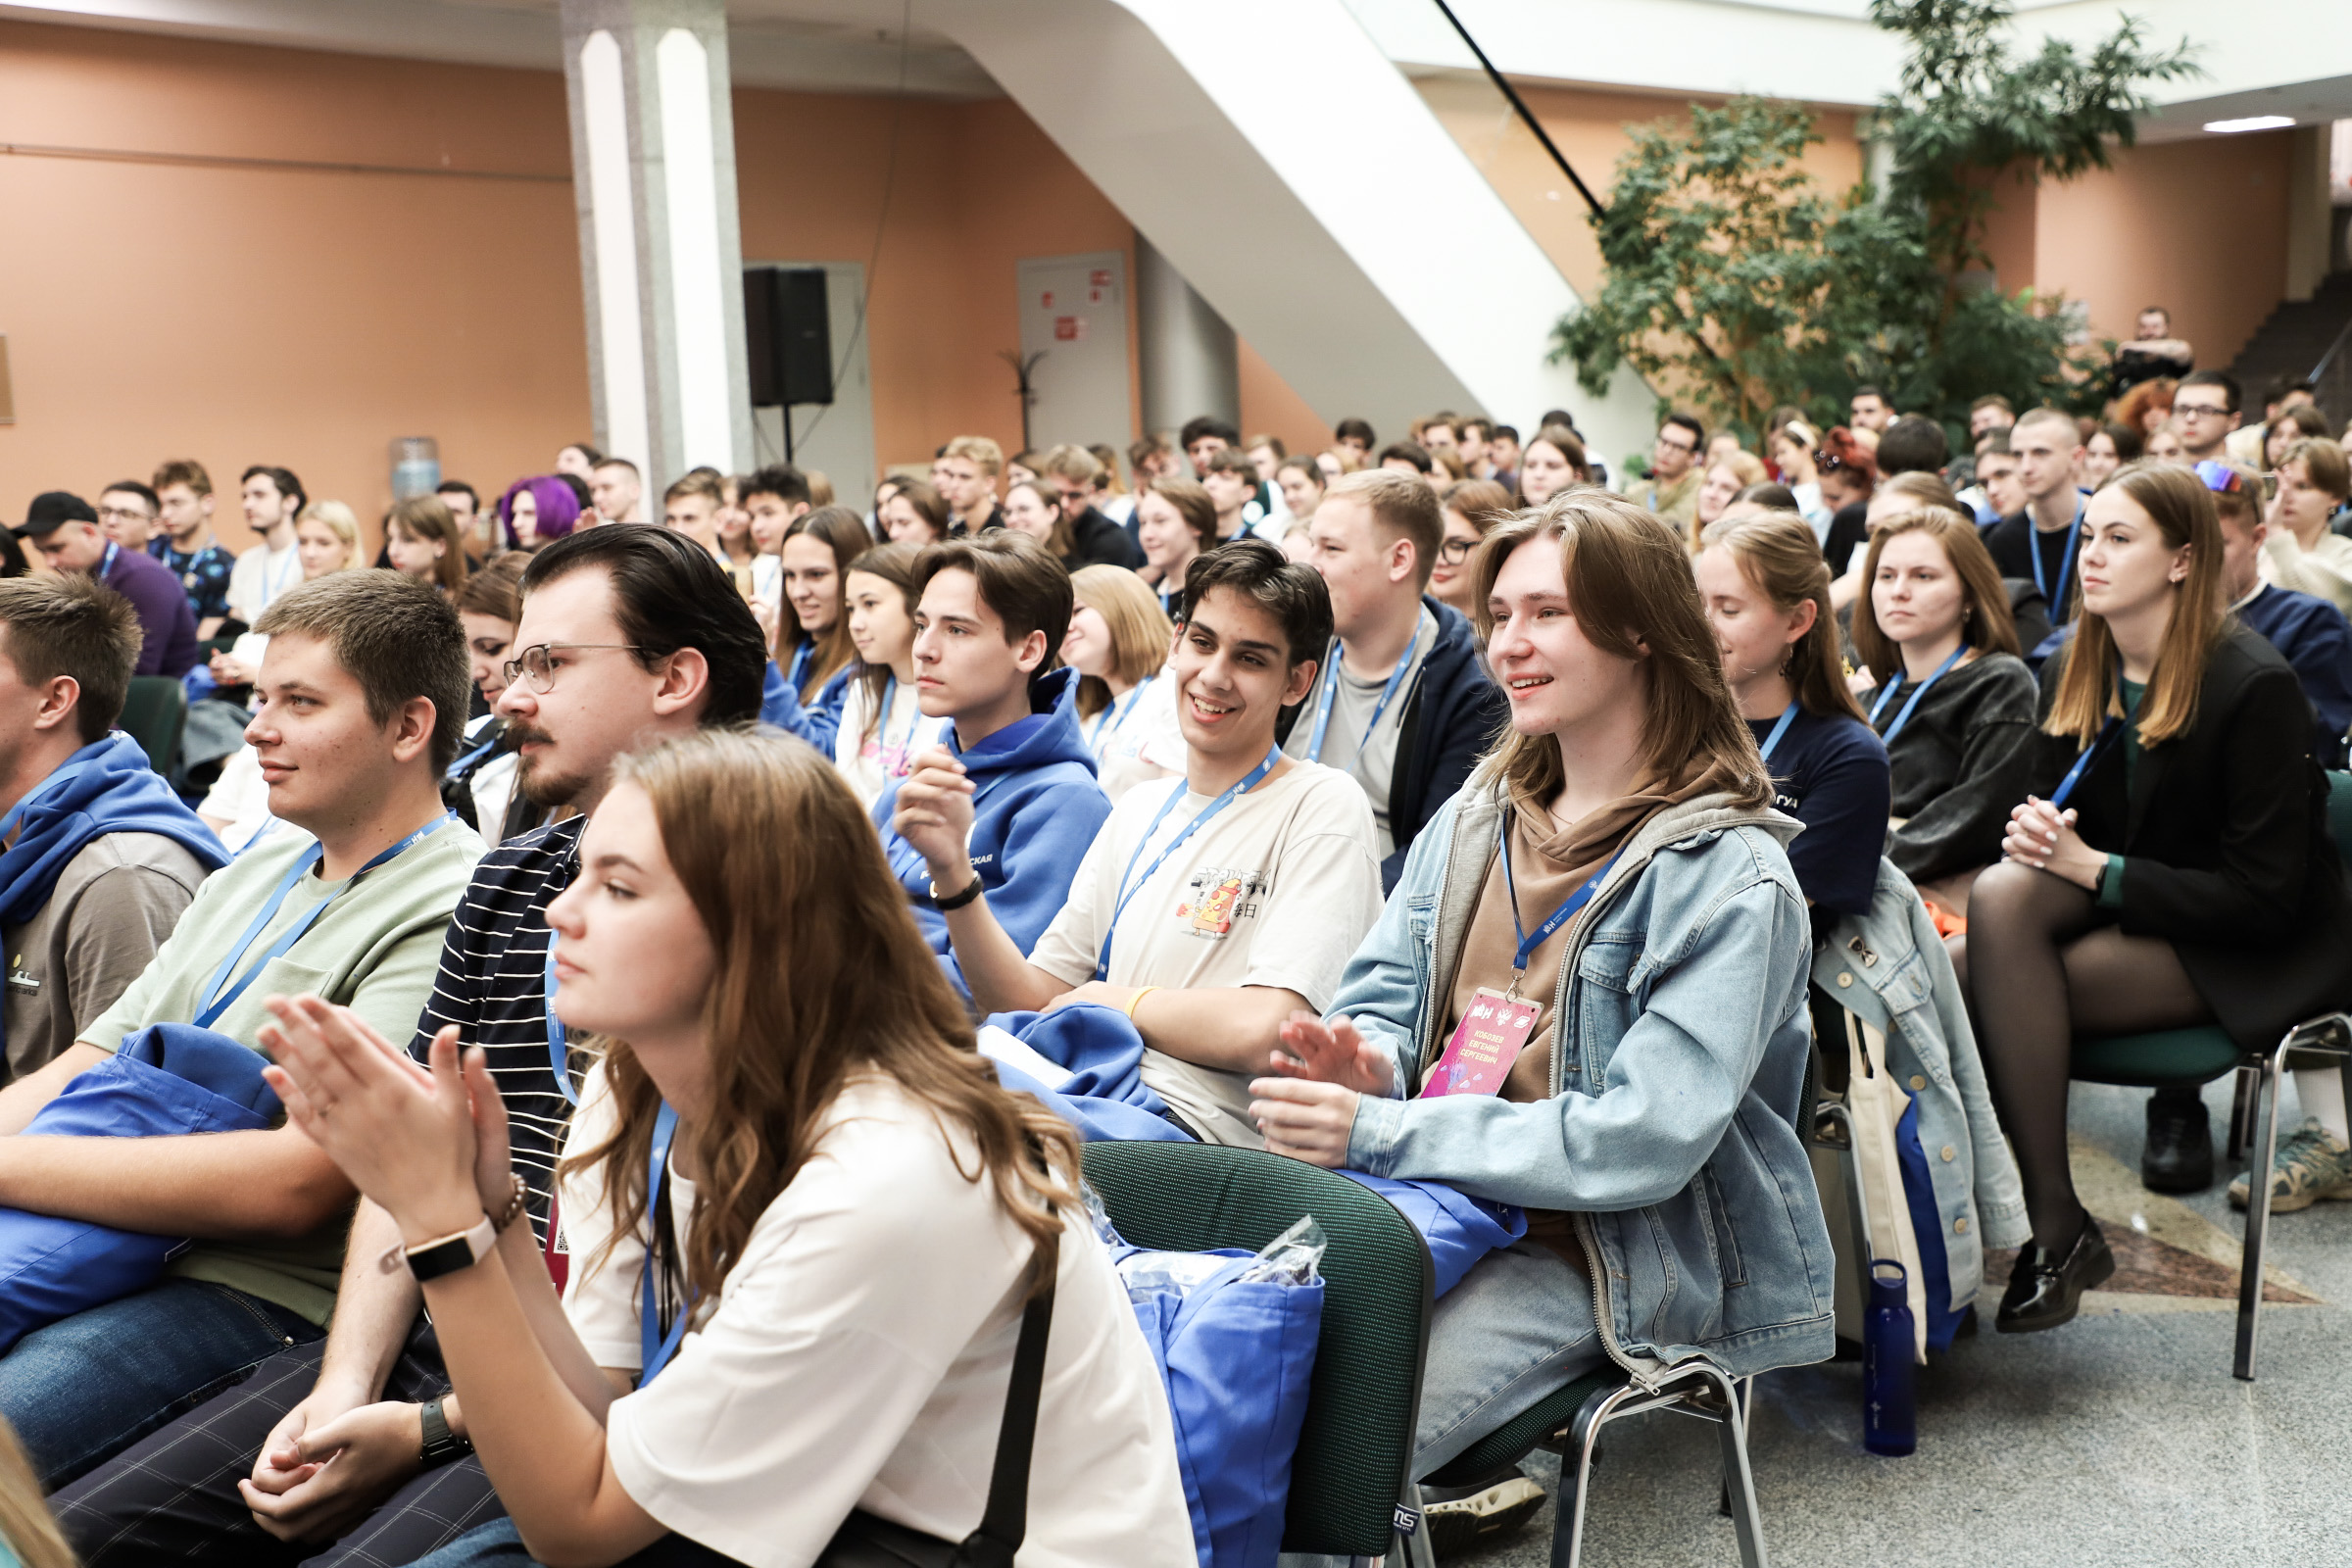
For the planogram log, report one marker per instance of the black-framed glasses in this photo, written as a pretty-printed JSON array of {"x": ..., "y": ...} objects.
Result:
[
  {"x": 536, "y": 665},
  {"x": 1453, "y": 552},
  {"x": 2213, "y": 410},
  {"x": 123, "y": 514}
]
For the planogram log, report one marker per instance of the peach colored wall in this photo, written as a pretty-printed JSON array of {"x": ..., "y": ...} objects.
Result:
[
  {"x": 305, "y": 318},
  {"x": 1588, "y": 126},
  {"x": 2198, "y": 226},
  {"x": 1270, "y": 408}
]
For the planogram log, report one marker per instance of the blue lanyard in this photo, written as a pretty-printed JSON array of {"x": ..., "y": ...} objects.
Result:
[
  {"x": 558, "y": 1045},
  {"x": 108, "y": 564},
  {"x": 1527, "y": 944},
  {"x": 47, "y": 787},
  {"x": 1113, "y": 718},
  {"x": 1787, "y": 717},
  {"x": 1130, "y": 884},
  {"x": 220, "y": 999},
  {"x": 2066, "y": 563},
  {"x": 656, "y": 1347},
  {"x": 1331, "y": 691},
  {"x": 2090, "y": 754},
  {"x": 457, "y": 769},
  {"x": 1904, "y": 717}
]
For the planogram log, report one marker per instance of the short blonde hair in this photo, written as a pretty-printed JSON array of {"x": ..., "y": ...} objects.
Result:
[
  {"x": 341, "y": 522},
  {"x": 1140, "y": 630},
  {"x": 981, "y": 450}
]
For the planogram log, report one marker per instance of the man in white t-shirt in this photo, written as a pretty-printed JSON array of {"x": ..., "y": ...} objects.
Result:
[
  {"x": 1212, "y": 907},
  {"x": 272, "y": 498}
]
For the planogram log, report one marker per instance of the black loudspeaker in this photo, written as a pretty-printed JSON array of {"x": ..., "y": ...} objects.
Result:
[{"x": 789, "y": 335}]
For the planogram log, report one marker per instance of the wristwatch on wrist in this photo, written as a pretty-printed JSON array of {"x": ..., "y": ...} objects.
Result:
[
  {"x": 448, "y": 1255},
  {"x": 440, "y": 1444},
  {"x": 957, "y": 901}
]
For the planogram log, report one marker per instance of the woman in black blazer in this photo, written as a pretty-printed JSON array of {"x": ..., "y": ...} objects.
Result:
[{"x": 2178, "y": 872}]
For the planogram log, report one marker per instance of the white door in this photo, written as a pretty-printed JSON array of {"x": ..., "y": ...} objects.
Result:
[
  {"x": 837, "y": 439},
  {"x": 1074, "y": 313}
]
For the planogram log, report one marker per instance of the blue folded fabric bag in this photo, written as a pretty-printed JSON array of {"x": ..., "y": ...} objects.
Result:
[
  {"x": 1236, "y": 1356},
  {"x": 165, "y": 1080}
]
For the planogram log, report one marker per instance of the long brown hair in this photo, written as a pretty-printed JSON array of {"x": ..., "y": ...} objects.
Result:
[
  {"x": 1140, "y": 630},
  {"x": 2176, "y": 501},
  {"x": 843, "y": 532},
  {"x": 1781, "y": 558},
  {"x": 821, "y": 974},
  {"x": 429, "y": 518},
  {"x": 1986, "y": 623},
  {"x": 894, "y": 564},
  {"x": 1628, "y": 585}
]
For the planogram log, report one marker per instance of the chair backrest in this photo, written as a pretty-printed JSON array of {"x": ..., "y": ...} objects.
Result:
[
  {"x": 2339, "y": 813},
  {"x": 1358, "y": 1443},
  {"x": 153, "y": 712}
]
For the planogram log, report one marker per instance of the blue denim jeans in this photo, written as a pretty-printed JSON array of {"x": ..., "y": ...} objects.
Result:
[{"x": 87, "y": 1386}]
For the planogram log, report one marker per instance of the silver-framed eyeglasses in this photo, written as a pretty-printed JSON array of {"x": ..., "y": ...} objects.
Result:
[{"x": 536, "y": 662}]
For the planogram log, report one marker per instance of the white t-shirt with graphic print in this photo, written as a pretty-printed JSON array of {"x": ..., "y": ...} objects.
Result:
[{"x": 1279, "y": 889}]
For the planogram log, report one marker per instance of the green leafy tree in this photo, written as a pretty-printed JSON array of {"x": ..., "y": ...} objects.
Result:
[{"x": 1734, "y": 283}]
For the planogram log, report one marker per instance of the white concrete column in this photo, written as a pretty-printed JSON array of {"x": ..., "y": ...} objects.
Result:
[
  {"x": 653, "y": 154},
  {"x": 1189, "y": 363}
]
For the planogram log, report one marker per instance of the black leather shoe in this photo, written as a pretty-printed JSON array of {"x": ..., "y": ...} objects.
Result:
[
  {"x": 2178, "y": 1158},
  {"x": 2045, "y": 1290}
]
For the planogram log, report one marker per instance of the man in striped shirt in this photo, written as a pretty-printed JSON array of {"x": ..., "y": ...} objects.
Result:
[{"x": 628, "y": 636}]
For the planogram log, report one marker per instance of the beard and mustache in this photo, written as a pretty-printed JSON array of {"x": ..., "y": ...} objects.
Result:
[{"x": 534, "y": 779}]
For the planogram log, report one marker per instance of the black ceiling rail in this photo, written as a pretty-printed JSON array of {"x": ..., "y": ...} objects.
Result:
[{"x": 1526, "y": 115}]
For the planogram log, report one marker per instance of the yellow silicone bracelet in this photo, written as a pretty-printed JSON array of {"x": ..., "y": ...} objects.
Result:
[{"x": 1136, "y": 999}]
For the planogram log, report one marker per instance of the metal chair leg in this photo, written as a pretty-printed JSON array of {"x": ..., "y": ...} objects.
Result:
[
  {"x": 2241, "y": 1111},
  {"x": 2258, "y": 1205},
  {"x": 1575, "y": 1475},
  {"x": 1739, "y": 1480}
]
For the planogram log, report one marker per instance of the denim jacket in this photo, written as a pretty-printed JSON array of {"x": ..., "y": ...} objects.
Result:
[
  {"x": 1889, "y": 970},
  {"x": 1678, "y": 1066}
]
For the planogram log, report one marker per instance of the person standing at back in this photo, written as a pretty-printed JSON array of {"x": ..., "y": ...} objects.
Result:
[
  {"x": 272, "y": 498},
  {"x": 64, "y": 528},
  {"x": 183, "y": 495},
  {"x": 1401, "y": 704},
  {"x": 102, "y": 856}
]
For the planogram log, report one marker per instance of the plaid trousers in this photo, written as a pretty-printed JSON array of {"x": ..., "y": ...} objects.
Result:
[{"x": 173, "y": 1496}]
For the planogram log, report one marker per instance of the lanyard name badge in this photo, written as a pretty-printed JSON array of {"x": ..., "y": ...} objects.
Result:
[
  {"x": 1904, "y": 717},
  {"x": 1787, "y": 717},
  {"x": 1130, "y": 884},
  {"x": 220, "y": 998},
  {"x": 2066, "y": 565},
  {"x": 656, "y": 1346},
  {"x": 1114, "y": 715},
  {"x": 1331, "y": 692},
  {"x": 1496, "y": 1025},
  {"x": 2082, "y": 763}
]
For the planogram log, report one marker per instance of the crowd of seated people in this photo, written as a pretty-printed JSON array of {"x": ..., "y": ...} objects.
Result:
[{"x": 600, "y": 910}]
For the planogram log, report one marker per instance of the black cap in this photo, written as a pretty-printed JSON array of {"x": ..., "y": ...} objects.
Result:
[{"x": 50, "y": 510}]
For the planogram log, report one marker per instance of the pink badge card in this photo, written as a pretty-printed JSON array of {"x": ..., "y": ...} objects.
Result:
[{"x": 1489, "y": 1039}]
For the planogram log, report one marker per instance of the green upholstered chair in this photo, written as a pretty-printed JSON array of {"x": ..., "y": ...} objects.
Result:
[
  {"x": 1351, "y": 1492},
  {"x": 153, "y": 712},
  {"x": 2203, "y": 1053}
]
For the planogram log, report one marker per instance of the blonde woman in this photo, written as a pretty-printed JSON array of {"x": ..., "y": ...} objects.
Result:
[
  {"x": 1118, "y": 643},
  {"x": 327, "y": 537}
]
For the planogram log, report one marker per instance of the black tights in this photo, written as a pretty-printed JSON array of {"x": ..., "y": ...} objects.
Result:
[{"x": 2053, "y": 968}]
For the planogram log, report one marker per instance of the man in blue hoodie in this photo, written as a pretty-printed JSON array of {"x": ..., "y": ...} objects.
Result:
[
  {"x": 1403, "y": 702},
  {"x": 991, "y": 615},
  {"x": 101, "y": 856}
]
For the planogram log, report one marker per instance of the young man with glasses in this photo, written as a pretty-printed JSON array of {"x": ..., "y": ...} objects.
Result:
[
  {"x": 127, "y": 513},
  {"x": 183, "y": 495},
  {"x": 1672, "y": 488},
  {"x": 363, "y": 700},
  {"x": 628, "y": 637},
  {"x": 2205, "y": 409},
  {"x": 1401, "y": 704},
  {"x": 1076, "y": 476}
]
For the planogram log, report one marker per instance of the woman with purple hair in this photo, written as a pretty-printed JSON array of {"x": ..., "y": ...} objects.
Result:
[{"x": 535, "y": 511}]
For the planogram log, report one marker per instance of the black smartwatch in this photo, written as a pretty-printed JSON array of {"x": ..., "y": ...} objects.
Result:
[{"x": 440, "y": 1444}]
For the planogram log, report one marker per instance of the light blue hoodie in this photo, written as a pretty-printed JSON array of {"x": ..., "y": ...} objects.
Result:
[{"x": 1036, "y": 811}]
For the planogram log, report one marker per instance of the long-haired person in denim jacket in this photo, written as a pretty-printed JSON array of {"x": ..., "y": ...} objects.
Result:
[{"x": 1646, "y": 1114}]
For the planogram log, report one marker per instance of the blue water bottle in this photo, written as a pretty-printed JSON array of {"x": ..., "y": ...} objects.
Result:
[{"x": 1889, "y": 1404}]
